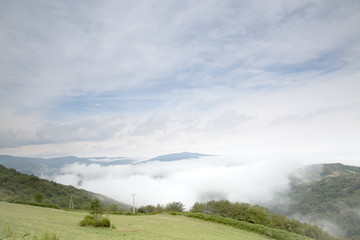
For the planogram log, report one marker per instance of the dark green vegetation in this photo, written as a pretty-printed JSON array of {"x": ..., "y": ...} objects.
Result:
[
  {"x": 255, "y": 228},
  {"x": 253, "y": 218},
  {"x": 257, "y": 219},
  {"x": 29, "y": 189},
  {"x": 95, "y": 222},
  {"x": 330, "y": 192},
  {"x": 95, "y": 219}
]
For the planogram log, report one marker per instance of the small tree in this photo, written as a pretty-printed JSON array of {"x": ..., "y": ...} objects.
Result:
[
  {"x": 175, "y": 207},
  {"x": 39, "y": 197},
  {"x": 159, "y": 208},
  {"x": 114, "y": 208},
  {"x": 146, "y": 209},
  {"x": 96, "y": 219},
  {"x": 96, "y": 210}
]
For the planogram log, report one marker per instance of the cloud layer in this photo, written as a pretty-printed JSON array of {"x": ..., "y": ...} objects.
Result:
[
  {"x": 143, "y": 78},
  {"x": 188, "y": 181}
]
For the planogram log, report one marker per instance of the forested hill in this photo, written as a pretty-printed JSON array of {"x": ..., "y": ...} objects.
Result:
[
  {"x": 15, "y": 186},
  {"x": 329, "y": 192}
]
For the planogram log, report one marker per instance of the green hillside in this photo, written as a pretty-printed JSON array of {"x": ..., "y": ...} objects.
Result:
[
  {"x": 15, "y": 186},
  {"x": 330, "y": 192},
  {"x": 25, "y": 222}
]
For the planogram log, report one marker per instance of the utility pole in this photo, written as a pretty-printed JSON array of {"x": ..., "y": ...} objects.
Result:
[
  {"x": 71, "y": 202},
  {"x": 133, "y": 195}
]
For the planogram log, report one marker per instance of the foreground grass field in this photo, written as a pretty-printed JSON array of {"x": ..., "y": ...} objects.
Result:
[{"x": 29, "y": 221}]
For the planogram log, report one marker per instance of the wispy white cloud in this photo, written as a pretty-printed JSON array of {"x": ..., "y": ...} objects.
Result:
[
  {"x": 150, "y": 126},
  {"x": 63, "y": 132},
  {"x": 229, "y": 120},
  {"x": 175, "y": 76},
  {"x": 86, "y": 130}
]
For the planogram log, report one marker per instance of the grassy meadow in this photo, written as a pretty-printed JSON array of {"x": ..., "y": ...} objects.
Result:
[{"x": 26, "y": 222}]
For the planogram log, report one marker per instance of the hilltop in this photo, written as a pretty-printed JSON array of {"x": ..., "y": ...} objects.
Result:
[
  {"x": 16, "y": 186},
  {"x": 178, "y": 156},
  {"x": 41, "y": 166},
  {"x": 328, "y": 193}
]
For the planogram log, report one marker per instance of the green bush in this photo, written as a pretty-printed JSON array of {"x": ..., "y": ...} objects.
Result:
[
  {"x": 99, "y": 222},
  {"x": 256, "y": 228},
  {"x": 39, "y": 197},
  {"x": 106, "y": 222},
  {"x": 259, "y": 215},
  {"x": 96, "y": 208},
  {"x": 87, "y": 221},
  {"x": 175, "y": 207},
  {"x": 95, "y": 219}
]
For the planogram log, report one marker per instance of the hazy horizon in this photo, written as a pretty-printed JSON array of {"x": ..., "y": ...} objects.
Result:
[
  {"x": 146, "y": 78},
  {"x": 190, "y": 180}
]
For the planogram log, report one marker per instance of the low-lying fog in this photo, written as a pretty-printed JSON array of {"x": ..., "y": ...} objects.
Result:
[{"x": 186, "y": 181}]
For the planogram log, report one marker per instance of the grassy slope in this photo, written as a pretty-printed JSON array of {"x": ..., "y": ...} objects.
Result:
[{"x": 36, "y": 221}]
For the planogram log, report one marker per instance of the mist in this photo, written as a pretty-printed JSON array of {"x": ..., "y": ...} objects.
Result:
[{"x": 186, "y": 181}]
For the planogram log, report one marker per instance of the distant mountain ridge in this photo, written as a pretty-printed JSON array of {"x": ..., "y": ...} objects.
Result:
[
  {"x": 177, "y": 156},
  {"x": 41, "y": 166},
  {"x": 50, "y": 166}
]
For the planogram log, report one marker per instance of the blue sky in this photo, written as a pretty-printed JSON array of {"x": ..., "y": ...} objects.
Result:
[{"x": 258, "y": 79}]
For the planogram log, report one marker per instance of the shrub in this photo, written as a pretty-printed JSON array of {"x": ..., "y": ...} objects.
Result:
[
  {"x": 96, "y": 208},
  {"x": 95, "y": 219},
  {"x": 96, "y": 222},
  {"x": 87, "y": 221},
  {"x": 106, "y": 222},
  {"x": 259, "y": 215},
  {"x": 39, "y": 197},
  {"x": 256, "y": 228},
  {"x": 146, "y": 209},
  {"x": 175, "y": 207}
]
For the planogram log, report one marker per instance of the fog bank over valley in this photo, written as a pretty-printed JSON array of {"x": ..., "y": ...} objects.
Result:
[{"x": 203, "y": 179}]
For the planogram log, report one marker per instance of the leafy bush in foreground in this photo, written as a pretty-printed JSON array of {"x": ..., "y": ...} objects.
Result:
[
  {"x": 96, "y": 218},
  {"x": 91, "y": 221}
]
